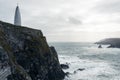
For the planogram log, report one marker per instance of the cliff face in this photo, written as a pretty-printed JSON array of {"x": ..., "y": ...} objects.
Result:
[{"x": 30, "y": 57}]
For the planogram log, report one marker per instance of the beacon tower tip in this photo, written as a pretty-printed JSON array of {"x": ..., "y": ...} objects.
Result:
[{"x": 17, "y": 17}]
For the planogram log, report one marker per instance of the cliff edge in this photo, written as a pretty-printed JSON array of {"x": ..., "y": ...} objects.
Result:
[{"x": 30, "y": 57}]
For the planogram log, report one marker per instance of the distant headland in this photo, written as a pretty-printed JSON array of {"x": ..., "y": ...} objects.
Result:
[{"x": 113, "y": 42}]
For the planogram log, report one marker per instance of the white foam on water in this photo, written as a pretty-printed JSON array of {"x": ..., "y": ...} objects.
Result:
[
  {"x": 99, "y": 63},
  {"x": 94, "y": 70}
]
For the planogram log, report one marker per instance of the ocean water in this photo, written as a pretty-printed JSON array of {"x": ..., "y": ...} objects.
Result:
[{"x": 98, "y": 63}]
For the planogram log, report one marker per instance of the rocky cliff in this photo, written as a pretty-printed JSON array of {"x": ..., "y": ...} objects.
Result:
[{"x": 30, "y": 57}]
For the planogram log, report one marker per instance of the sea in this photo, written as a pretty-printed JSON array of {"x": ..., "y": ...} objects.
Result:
[{"x": 88, "y": 62}]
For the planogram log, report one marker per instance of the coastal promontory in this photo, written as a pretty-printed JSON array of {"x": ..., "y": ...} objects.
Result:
[
  {"x": 113, "y": 42},
  {"x": 29, "y": 55}
]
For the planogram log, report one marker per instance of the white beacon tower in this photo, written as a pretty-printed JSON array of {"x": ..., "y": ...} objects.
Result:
[{"x": 17, "y": 17}]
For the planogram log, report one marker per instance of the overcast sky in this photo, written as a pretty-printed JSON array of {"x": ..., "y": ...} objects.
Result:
[{"x": 67, "y": 20}]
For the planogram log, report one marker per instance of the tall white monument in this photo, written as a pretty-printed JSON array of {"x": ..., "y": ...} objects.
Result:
[{"x": 17, "y": 17}]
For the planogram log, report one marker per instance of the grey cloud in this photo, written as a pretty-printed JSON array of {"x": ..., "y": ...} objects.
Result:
[
  {"x": 108, "y": 6},
  {"x": 61, "y": 18},
  {"x": 74, "y": 20}
]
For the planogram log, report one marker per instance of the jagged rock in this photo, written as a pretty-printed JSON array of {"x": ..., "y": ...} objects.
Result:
[
  {"x": 29, "y": 55},
  {"x": 80, "y": 69},
  {"x": 64, "y": 66},
  {"x": 67, "y": 73}
]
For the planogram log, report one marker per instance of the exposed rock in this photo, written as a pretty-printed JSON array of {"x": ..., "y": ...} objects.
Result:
[
  {"x": 3, "y": 56},
  {"x": 80, "y": 69},
  {"x": 67, "y": 73},
  {"x": 64, "y": 66},
  {"x": 30, "y": 57},
  {"x": 100, "y": 46},
  {"x": 75, "y": 72}
]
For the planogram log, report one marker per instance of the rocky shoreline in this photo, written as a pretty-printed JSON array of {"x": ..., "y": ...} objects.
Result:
[{"x": 29, "y": 54}]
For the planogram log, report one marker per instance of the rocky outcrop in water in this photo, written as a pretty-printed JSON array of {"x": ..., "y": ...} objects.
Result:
[
  {"x": 64, "y": 66},
  {"x": 30, "y": 57}
]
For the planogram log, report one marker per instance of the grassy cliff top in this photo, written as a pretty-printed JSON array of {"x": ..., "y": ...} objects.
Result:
[{"x": 14, "y": 28}]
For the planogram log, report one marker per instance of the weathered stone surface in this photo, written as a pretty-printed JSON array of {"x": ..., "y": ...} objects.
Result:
[{"x": 29, "y": 55}]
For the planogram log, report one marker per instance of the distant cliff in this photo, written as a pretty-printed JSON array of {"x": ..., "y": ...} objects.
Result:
[
  {"x": 30, "y": 57},
  {"x": 113, "y": 42}
]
